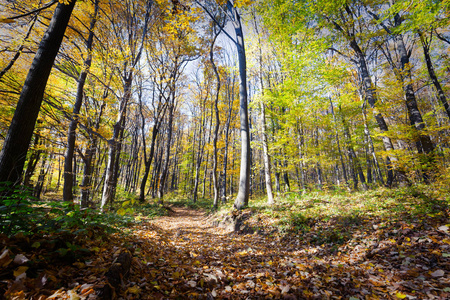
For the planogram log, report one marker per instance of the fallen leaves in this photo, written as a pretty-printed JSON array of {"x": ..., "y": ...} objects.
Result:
[
  {"x": 182, "y": 256},
  {"x": 437, "y": 273}
]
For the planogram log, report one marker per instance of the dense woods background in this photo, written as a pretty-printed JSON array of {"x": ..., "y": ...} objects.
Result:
[{"x": 150, "y": 97}]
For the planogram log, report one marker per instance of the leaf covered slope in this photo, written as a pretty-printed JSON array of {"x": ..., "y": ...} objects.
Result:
[{"x": 383, "y": 245}]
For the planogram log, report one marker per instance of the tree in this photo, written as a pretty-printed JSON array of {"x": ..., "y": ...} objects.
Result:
[
  {"x": 15, "y": 147},
  {"x": 244, "y": 174},
  {"x": 71, "y": 135},
  {"x": 217, "y": 125},
  {"x": 131, "y": 43},
  {"x": 402, "y": 71}
]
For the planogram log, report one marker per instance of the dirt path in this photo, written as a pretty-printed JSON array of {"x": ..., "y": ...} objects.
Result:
[
  {"x": 187, "y": 220},
  {"x": 183, "y": 256},
  {"x": 188, "y": 257}
]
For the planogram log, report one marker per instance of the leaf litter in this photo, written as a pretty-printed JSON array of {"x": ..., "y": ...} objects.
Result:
[{"x": 183, "y": 256}]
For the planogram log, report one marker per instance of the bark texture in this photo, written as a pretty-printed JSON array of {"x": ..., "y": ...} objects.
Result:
[
  {"x": 15, "y": 147},
  {"x": 244, "y": 174}
]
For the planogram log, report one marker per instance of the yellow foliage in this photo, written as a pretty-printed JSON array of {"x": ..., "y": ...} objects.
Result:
[{"x": 243, "y": 3}]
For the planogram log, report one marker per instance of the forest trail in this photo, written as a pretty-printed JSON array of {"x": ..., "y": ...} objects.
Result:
[
  {"x": 189, "y": 257},
  {"x": 183, "y": 256},
  {"x": 182, "y": 219}
]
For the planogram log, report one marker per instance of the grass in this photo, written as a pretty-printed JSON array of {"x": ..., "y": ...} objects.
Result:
[
  {"x": 184, "y": 201},
  {"x": 334, "y": 217}
]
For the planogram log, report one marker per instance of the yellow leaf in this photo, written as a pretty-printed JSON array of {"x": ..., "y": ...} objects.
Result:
[
  {"x": 121, "y": 211},
  {"x": 134, "y": 290},
  {"x": 6, "y": 20},
  {"x": 20, "y": 270},
  {"x": 79, "y": 265},
  {"x": 95, "y": 249},
  {"x": 400, "y": 295}
]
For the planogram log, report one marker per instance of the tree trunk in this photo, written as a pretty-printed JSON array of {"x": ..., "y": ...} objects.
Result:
[
  {"x": 287, "y": 185},
  {"x": 17, "y": 141},
  {"x": 372, "y": 148},
  {"x": 423, "y": 144},
  {"x": 244, "y": 175},
  {"x": 165, "y": 166},
  {"x": 267, "y": 170},
  {"x": 148, "y": 162},
  {"x": 302, "y": 183},
  {"x": 86, "y": 183},
  {"x": 217, "y": 125},
  {"x": 71, "y": 135},
  {"x": 432, "y": 74},
  {"x": 266, "y": 157},
  {"x": 114, "y": 146},
  {"x": 227, "y": 141},
  {"x": 341, "y": 157},
  {"x": 371, "y": 97},
  {"x": 355, "y": 165},
  {"x": 40, "y": 180},
  {"x": 34, "y": 158}
]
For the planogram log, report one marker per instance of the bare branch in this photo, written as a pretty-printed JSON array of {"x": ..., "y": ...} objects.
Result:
[
  {"x": 215, "y": 21},
  {"x": 29, "y": 13}
]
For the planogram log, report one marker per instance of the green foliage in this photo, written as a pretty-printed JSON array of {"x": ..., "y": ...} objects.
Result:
[
  {"x": 149, "y": 210},
  {"x": 182, "y": 201},
  {"x": 334, "y": 217},
  {"x": 295, "y": 221},
  {"x": 22, "y": 213},
  {"x": 16, "y": 212}
]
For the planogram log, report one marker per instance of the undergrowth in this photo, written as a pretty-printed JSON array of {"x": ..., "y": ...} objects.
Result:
[
  {"x": 332, "y": 215},
  {"x": 21, "y": 213}
]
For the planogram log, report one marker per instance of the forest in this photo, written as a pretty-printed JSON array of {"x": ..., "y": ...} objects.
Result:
[{"x": 229, "y": 149}]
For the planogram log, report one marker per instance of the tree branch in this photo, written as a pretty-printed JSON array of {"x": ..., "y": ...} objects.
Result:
[
  {"x": 215, "y": 21},
  {"x": 342, "y": 54},
  {"x": 375, "y": 16},
  {"x": 7, "y": 20}
]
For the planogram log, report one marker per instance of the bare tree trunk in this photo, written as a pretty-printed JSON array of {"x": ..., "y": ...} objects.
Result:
[
  {"x": 159, "y": 115},
  {"x": 165, "y": 166},
  {"x": 355, "y": 165},
  {"x": 423, "y": 144},
  {"x": 244, "y": 176},
  {"x": 371, "y": 97},
  {"x": 227, "y": 141},
  {"x": 217, "y": 125},
  {"x": 372, "y": 149},
  {"x": 432, "y": 74},
  {"x": 86, "y": 184},
  {"x": 114, "y": 146},
  {"x": 341, "y": 158},
  {"x": 17, "y": 141},
  {"x": 267, "y": 170},
  {"x": 198, "y": 162},
  {"x": 71, "y": 135},
  {"x": 34, "y": 158}
]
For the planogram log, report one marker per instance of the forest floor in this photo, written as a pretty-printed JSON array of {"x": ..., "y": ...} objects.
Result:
[{"x": 183, "y": 256}]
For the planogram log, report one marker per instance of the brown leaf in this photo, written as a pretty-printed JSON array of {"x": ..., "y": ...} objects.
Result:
[{"x": 438, "y": 273}]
